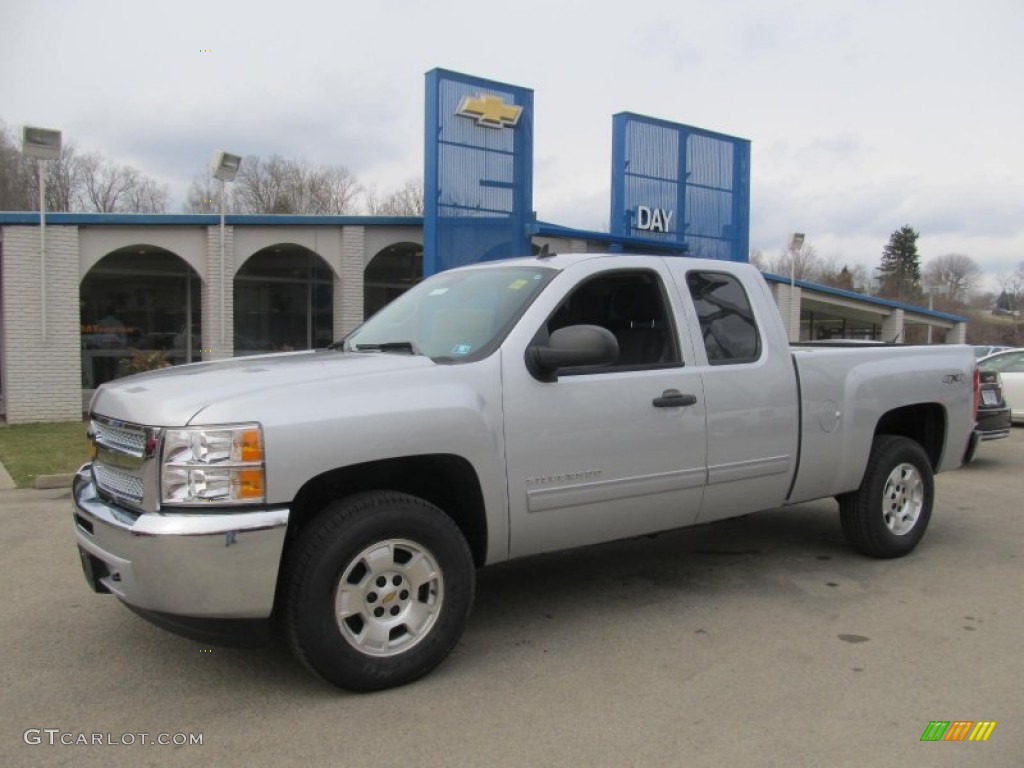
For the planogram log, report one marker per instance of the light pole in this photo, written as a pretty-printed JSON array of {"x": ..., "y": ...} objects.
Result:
[
  {"x": 224, "y": 167},
  {"x": 929, "y": 292},
  {"x": 796, "y": 243},
  {"x": 43, "y": 144}
]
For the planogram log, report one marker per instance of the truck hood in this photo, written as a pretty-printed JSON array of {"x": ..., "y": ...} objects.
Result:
[{"x": 175, "y": 396}]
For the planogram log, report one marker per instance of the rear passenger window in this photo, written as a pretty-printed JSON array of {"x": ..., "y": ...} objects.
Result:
[{"x": 726, "y": 319}]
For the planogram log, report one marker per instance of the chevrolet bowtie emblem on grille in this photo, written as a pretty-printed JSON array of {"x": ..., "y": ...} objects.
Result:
[{"x": 489, "y": 111}]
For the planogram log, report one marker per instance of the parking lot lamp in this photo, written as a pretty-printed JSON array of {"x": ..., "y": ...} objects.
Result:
[
  {"x": 796, "y": 243},
  {"x": 224, "y": 167},
  {"x": 43, "y": 144}
]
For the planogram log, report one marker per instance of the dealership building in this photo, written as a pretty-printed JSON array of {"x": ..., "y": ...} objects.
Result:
[{"x": 88, "y": 296}]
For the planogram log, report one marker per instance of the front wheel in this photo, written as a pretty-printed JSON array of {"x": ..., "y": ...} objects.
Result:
[
  {"x": 887, "y": 516},
  {"x": 379, "y": 587}
]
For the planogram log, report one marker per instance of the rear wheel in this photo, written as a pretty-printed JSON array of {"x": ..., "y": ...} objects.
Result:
[
  {"x": 379, "y": 586},
  {"x": 888, "y": 515}
]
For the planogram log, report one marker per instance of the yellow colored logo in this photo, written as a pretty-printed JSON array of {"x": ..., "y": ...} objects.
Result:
[
  {"x": 958, "y": 730},
  {"x": 388, "y": 598},
  {"x": 489, "y": 111}
]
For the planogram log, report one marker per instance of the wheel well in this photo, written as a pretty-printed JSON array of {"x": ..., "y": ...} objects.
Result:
[
  {"x": 924, "y": 423},
  {"x": 446, "y": 481}
]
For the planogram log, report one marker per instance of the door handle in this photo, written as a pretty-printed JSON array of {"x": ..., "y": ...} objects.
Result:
[{"x": 673, "y": 398}]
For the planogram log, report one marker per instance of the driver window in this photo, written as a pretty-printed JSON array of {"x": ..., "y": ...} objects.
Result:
[{"x": 632, "y": 306}]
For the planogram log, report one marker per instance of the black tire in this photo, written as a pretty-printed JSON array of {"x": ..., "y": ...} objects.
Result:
[
  {"x": 356, "y": 557},
  {"x": 888, "y": 515}
]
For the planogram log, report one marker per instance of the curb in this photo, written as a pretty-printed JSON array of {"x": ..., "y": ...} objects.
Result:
[
  {"x": 44, "y": 482},
  {"x": 6, "y": 481}
]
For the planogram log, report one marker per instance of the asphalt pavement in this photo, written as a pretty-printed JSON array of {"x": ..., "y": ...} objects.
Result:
[{"x": 761, "y": 641}]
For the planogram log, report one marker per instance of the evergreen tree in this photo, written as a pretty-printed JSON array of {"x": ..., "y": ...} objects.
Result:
[{"x": 900, "y": 272}]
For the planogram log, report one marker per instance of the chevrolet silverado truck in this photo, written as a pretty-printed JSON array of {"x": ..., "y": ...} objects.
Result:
[{"x": 345, "y": 497}]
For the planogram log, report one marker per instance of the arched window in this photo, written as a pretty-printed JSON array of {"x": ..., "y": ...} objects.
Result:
[
  {"x": 390, "y": 273},
  {"x": 284, "y": 300},
  {"x": 138, "y": 304}
]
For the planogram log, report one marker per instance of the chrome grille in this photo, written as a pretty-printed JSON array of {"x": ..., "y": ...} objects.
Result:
[
  {"x": 122, "y": 485},
  {"x": 125, "y": 439},
  {"x": 123, "y": 466}
]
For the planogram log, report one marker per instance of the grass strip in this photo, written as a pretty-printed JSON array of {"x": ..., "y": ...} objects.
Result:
[{"x": 31, "y": 450}]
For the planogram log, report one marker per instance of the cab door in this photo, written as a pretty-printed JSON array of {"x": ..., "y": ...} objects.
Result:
[
  {"x": 610, "y": 452},
  {"x": 751, "y": 390}
]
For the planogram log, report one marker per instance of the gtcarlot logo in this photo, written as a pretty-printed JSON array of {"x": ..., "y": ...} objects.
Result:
[
  {"x": 958, "y": 730},
  {"x": 60, "y": 737}
]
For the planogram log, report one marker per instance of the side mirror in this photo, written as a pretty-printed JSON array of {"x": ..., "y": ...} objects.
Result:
[{"x": 571, "y": 347}]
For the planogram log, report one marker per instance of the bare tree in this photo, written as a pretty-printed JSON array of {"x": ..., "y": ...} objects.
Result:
[
  {"x": 105, "y": 185},
  {"x": 407, "y": 200},
  {"x": 262, "y": 186},
  {"x": 332, "y": 190},
  {"x": 74, "y": 182},
  {"x": 810, "y": 266},
  {"x": 806, "y": 264},
  {"x": 832, "y": 271},
  {"x": 1010, "y": 303},
  {"x": 861, "y": 279},
  {"x": 63, "y": 180},
  {"x": 15, "y": 175},
  {"x": 203, "y": 195},
  {"x": 828, "y": 271},
  {"x": 278, "y": 185},
  {"x": 110, "y": 188},
  {"x": 147, "y": 196},
  {"x": 952, "y": 277}
]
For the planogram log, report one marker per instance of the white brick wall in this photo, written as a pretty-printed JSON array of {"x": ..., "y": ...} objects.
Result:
[
  {"x": 892, "y": 327},
  {"x": 216, "y": 344},
  {"x": 785, "y": 301},
  {"x": 42, "y": 373},
  {"x": 348, "y": 292},
  {"x": 957, "y": 334}
]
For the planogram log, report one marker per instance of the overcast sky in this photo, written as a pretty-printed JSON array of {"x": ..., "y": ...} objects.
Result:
[{"x": 863, "y": 116}]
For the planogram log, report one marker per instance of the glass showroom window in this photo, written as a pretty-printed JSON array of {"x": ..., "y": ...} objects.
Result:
[
  {"x": 139, "y": 308},
  {"x": 389, "y": 274},
  {"x": 284, "y": 301}
]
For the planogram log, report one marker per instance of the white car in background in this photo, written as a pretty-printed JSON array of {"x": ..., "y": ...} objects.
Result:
[
  {"x": 1010, "y": 365},
  {"x": 984, "y": 350}
]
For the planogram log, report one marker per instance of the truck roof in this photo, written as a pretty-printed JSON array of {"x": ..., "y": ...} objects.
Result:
[{"x": 564, "y": 260}]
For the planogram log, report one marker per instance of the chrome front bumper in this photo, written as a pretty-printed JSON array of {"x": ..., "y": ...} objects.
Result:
[{"x": 204, "y": 565}]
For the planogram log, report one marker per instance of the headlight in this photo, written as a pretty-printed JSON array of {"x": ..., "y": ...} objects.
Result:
[{"x": 219, "y": 465}]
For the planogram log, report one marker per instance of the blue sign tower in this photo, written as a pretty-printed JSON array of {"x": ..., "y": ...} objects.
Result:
[
  {"x": 478, "y": 175},
  {"x": 678, "y": 185}
]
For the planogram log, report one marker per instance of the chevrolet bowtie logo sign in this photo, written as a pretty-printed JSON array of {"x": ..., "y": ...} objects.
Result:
[{"x": 489, "y": 111}]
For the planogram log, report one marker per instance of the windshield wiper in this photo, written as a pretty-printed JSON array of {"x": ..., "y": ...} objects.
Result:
[{"x": 389, "y": 346}]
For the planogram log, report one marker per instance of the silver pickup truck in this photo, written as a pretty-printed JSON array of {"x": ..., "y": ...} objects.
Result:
[{"x": 347, "y": 496}]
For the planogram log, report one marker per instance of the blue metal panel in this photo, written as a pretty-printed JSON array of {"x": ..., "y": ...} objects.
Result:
[
  {"x": 679, "y": 184},
  {"x": 478, "y": 176}
]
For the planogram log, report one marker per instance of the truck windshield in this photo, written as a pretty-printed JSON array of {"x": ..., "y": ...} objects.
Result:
[{"x": 456, "y": 316}]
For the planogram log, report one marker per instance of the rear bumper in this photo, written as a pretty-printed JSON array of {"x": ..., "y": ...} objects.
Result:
[
  {"x": 204, "y": 565},
  {"x": 993, "y": 423}
]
